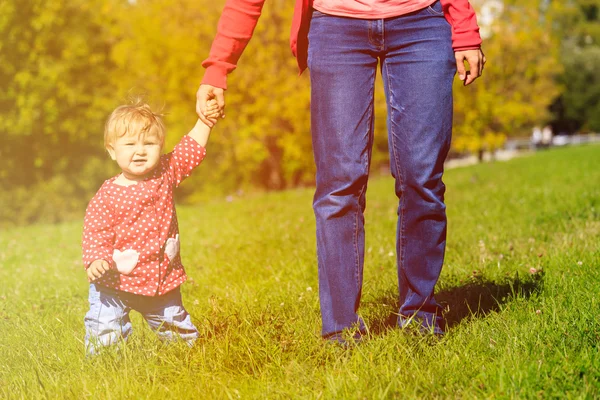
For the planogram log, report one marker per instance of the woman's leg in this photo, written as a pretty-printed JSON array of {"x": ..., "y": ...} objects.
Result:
[
  {"x": 343, "y": 64},
  {"x": 418, "y": 69}
]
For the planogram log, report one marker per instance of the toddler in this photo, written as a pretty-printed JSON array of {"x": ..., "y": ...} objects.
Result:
[{"x": 130, "y": 234}]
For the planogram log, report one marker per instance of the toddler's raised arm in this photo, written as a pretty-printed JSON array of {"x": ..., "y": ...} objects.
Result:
[{"x": 200, "y": 132}]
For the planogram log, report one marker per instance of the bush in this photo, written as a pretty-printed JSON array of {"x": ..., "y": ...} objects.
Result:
[{"x": 58, "y": 199}]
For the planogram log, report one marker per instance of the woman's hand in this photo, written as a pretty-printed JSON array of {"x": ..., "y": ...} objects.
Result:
[
  {"x": 204, "y": 94},
  {"x": 476, "y": 60}
]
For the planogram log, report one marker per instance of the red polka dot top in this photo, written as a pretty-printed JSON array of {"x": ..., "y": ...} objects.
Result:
[{"x": 134, "y": 228}]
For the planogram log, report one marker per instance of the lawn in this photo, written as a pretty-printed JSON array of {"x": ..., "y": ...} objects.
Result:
[{"x": 520, "y": 287}]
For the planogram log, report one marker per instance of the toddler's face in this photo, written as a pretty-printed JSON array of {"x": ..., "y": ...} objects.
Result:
[{"x": 136, "y": 155}]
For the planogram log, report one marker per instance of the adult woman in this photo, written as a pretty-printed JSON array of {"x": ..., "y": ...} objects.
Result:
[{"x": 419, "y": 46}]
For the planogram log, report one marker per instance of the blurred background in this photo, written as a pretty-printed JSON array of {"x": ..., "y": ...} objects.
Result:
[{"x": 65, "y": 64}]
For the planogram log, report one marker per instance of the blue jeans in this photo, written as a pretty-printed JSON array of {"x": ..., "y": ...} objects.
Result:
[
  {"x": 418, "y": 67},
  {"x": 107, "y": 321}
]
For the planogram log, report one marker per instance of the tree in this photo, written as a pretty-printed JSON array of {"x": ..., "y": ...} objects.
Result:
[
  {"x": 519, "y": 80},
  {"x": 578, "y": 106},
  {"x": 581, "y": 98},
  {"x": 55, "y": 76},
  {"x": 265, "y": 141}
]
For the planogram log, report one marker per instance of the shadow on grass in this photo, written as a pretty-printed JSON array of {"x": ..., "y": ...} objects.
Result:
[{"x": 475, "y": 299}]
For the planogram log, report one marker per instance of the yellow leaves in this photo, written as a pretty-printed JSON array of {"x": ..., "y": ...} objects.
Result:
[
  {"x": 54, "y": 76},
  {"x": 51, "y": 110},
  {"x": 67, "y": 63},
  {"x": 22, "y": 78},
  {"x": 493, "y": 140},
  {"x": 518, "y": 82},
  {"x": 47, "y": 15},
  {"x": 250, "y": 152}
]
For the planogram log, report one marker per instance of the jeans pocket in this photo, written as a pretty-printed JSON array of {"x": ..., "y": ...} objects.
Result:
[{"x": 436, "y": 9}]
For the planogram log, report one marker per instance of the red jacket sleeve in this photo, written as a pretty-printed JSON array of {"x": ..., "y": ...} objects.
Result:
[
  {"x": 239, "y": 18},
  {"x": 462, "y": 18},
  {"x": 186, "y": 156},
  {"x": 234, "y": 31},
  {"x": 98, "y": 232}
]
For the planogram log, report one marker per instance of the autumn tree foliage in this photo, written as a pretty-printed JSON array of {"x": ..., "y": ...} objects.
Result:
[
  {"x": 55, "y": 74},
  {"x": 65, "y": 64},
  {"x": 578, "y": 106},
  {"x": 518, "y": 82}
]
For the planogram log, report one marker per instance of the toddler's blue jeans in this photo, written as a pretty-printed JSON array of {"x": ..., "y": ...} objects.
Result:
[{"x": 107, "y": 321}]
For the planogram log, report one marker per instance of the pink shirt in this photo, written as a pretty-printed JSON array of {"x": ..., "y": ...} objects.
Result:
[
  {"x": 136, "y": 226},
  {"x": 370, "y": 9}
]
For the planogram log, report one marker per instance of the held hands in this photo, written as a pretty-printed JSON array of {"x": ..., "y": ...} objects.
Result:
[
  {"x": 204, "y": 94},
  {"x": 97, "y": 269},
  {"x": 212, "y": 112},
  {"x": 475, "y": 59},
  {"x": 201, "y": 131}
]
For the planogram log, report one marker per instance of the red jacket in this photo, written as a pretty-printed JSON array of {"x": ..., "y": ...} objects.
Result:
[
  {"x": 239, "y": 18},
  {"x": 135, "y": 227}
]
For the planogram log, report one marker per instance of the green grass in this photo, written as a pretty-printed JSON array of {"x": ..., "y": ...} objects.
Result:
[{"x": 253, "y": 294}]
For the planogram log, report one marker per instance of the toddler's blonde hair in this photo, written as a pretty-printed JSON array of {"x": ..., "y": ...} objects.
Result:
[{"x": 133, "y": 119}]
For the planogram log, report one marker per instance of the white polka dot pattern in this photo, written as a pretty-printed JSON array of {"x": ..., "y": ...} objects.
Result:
[{"x": 141, "y": 217}]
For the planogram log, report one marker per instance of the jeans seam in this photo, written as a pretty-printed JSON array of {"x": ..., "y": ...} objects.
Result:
[
  {"x": 356, "y": 251},
  {"x": 400, "y": 240},
  {"x": 382, "y": 46},
  {"x": 356, "y": 255},
  {"x": 362, "y": 191},
  {"x": 434, "y": 12}
]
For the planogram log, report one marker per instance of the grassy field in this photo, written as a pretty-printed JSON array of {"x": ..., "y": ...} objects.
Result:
[{"x": 521, "y": 287}]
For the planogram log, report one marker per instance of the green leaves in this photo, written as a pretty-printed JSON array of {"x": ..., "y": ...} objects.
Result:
[
  {"x": 518, "y": 82},
  {"x": 67, "y": 63},
  {"x": 55, "y": 75}
]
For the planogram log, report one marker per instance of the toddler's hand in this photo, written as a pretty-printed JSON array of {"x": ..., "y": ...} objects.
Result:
[
  {"x": 97, "y": 269},
  {"x": 212, "y": 111}
]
